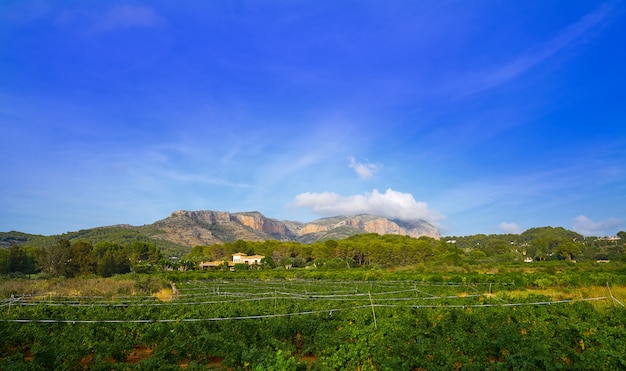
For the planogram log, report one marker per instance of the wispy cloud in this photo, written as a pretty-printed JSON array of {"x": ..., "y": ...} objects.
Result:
[
  {"x": 588, "y": 227},
  {"x": 391, "y": 204},
  {"x": 365, "y": 170},
  {"x": 127, "y": 16},
  {"x": 569, "y": 36},
  {"x": 513, "y": 228},
  {"x": 553, "y": 186}
]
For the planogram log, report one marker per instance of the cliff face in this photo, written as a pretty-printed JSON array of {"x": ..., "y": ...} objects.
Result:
[
  {"x": 260, "y": 223},
  {"x": 207, "y": 227},
  {"x": 374, "y": 224}
]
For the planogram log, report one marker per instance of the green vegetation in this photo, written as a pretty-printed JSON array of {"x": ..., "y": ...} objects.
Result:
[
  {"x": 538, "y": 244},
  {"x": 121, "y": 235},
  {"x": 366, "y": 302},
  {"x": 388, "y": 321},
  {"x": 79, "y": 258},
  {"x": 393, "y": 251},
  {"x": 75, "y": 257}
]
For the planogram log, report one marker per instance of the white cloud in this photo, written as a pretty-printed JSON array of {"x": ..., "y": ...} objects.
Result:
[
  {"x": 364, "y": 170},
  {"x": 127, "y": 16},
  {"x": 510, "y": 228},
  {"x": 391, "y": 204},
  {"x": 588, "y": 227}
]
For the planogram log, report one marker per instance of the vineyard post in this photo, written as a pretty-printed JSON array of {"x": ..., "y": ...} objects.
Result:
[
  {"x": 613, "y": 297},
  {"x": 10, "y": 302},
  {"x": 373, "y": 312}
]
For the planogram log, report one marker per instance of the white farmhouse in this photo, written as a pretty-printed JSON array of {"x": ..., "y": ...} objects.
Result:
[{"x": 238, "y": 258}]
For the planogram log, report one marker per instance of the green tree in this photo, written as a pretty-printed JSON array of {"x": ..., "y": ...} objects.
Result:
[
  {"x": 286, "y": 262},
  {"x": 144, "y": 252},
  {"x": 54, "y": 258},
  {"x": 495, "y": 247},
  {"x": 242, "y": 246},
  {"x": 81, "y": 260},
  {"x": 550, "y": 233},
  {"x": 113, "y": 261},
  {"x": 20, "y": 261},
  {"x": 5, "y": 261},
  {"x": 567, "y": 250},
  {"x": 327, "y": 249},
  {"x": 106, "y": 264},
  {"x": 268, "y": 263},
  {"x": 111, "y": 258}
]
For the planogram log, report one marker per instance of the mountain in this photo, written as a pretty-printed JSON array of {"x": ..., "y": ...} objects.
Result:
[
  {"x": 176, "y": 234},
  {"x": 206, "y": 227}
]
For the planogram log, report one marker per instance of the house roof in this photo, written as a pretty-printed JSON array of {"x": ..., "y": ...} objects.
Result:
[{"x": 253, "y": 256}]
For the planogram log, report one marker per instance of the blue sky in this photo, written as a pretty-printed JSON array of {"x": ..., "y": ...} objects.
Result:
[{"x": 478, "y": 116}]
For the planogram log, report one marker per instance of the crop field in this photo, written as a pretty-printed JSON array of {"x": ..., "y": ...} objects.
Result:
[{"x": 300, "y": 324}]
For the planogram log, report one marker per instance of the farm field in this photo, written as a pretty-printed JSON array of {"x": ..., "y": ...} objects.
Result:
[{"x": 245, "y": 323}]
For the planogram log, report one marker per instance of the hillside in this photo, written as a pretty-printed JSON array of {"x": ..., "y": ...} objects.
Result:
[{"x": 179, "y": 232}]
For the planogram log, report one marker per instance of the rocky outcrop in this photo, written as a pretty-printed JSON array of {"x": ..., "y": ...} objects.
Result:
[
  {"x": 374, "y": 224},
  {"x": 207, "y": 227},
  {"x": 260, "y": 223},
  {"x": 313, "y": 228}
]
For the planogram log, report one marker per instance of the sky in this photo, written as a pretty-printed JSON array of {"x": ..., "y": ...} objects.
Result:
[{"x": 476, "y": 116}]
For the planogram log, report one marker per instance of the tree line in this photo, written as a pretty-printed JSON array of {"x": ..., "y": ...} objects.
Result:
[
  {"x": 106, "y": 258},
  {"x": 75, "y": 258},
  {"x": 373, "y": 250}
]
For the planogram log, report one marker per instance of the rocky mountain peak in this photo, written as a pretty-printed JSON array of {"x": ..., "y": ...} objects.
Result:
[{"x": 207, "y": 227}]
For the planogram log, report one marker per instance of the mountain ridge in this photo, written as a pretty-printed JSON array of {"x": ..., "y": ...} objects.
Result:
[
  {"x": 176, "y": 234},
  {"x": 207, "y": 227}
]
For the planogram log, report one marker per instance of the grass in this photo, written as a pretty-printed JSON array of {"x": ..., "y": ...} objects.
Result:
[
  {"x": 614, "y": 295},
  {"x": 165, "y": 294},
  {"x": 68, "y": 287}
]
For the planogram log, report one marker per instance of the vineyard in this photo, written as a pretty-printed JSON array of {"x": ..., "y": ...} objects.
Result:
[{"x": 306, "y": 324}]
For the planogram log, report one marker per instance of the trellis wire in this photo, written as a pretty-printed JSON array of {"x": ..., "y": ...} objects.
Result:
[
  {"x": 330, "y": 311},
  {"x": 272, "y": 296}
]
